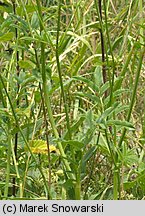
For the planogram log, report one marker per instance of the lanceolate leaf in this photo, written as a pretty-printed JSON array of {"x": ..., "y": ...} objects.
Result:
[
  {"x": 87, "y": 81},
  {"x": 120, "y": 123},
  {"x": 87, "y": 156},
  {"x": 107, "y": 113}
]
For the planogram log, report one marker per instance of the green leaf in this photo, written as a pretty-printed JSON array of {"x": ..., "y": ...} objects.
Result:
[
  {"x": 92, "y": 97},
  {"x": 28, "y": 8},
  {"x": 7, "y": 37},
  {"x": 40, "y": 147},
  {"x": 121, "y": 108},
  {"x": 74, "y": 127},
  {"x": 80, "y": 38},
  {"x": 26, "y": 81},
  {"x": 6, "y": 7},
  {"x": 87, "y": 81},
  {"x": 98, "y": 76},
  {"x": 37, "y": 97},
  {"x": 107, "y": 113},
  {"x": 127, "y": 156},
  {"x": 89, "y": 134},
  {"x": 35, "y": 21},
  {"x": 116, "y": 42},
  {"x": 87, "y": 156},
  {"x": 120, "y": 123},
  {"x": 26, "y": 64},
  {"x": 76, "y": 144},
  {"x": 129, "y": 185},
  {"x": 19, "y": 23},
  {"x": 104, "y": 88},
  {"x": 95, "y": 25}
]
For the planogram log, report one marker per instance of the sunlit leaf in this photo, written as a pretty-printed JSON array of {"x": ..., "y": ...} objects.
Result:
[
  {"x": 7, "y": 37},
  {"x": 40, "y": 147}
]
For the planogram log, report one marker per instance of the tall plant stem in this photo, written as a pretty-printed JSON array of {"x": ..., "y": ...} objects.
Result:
[
  {"x": 47, "y": 139},
  {"x": 115, "y": 168},
  {"x": 133, "y": 96},
  {"x": 118, "y": 83},
  {"x": 77, "y": 171},
  {"x": 17, "y": 102},
  {"x": 8, "y": 168},
  {"x": 46, "y": 123},
  {"x": 141, "y": 31},
  {"x": 99, "y": 10},
  {"x": 59, "y": 71},
  {"x": 17, "y": 172},
  {"x": 133, "y": 93},
  {"x": 47, "y": 98},
  {"x": 111, "y": 52}
]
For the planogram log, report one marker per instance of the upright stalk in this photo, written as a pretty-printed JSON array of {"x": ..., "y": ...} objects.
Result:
[
  {"x": 17, "y": 172},
  {"x": 47, "y": 139},
  {"x": 59, "y": 71},
  {"x": 111, "y": 77},
  {"x": 118, "y": 83},
  {"x": 17, "y": 102},
  {"x": 99, "y": 11},
  {"x": 141, "y": 31},
  {"x": 111, "y": 52},
  {"x": 77, "y": 169},
  {"x": 47, "y": 98},
  {"x": 132, "y": 98},
  {"x": 8, "y": 168},
  {"x": 133, "y": 93}
]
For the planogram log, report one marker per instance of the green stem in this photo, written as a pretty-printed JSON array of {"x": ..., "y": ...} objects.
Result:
[
  {"x": 124, "y": 69},
  {"x": 132, "y": 98},
  {"x": 8, "y": 167},
  {"x": 99, "y": 13},
  {"x": 111, "y": 52},
  {"x": 78, "y": 180},
  {"x": 133, "y": 93},
  {"x": 47, "y": 138},
  {"x": 78, "y": 186},
  {"x": 141, "y": 31},
  {"x": 115, "y": 182},
  {"x": 115, "y": 172},
  {"x": 17, "y": 171},
  {"x": 18, "y": 87},
  {"x": 59, "y": 71},
  {"x": 47, "y": 99}
]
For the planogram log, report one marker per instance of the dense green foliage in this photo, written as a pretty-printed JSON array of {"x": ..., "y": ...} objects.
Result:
[{"x": 72, "y": 118}]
